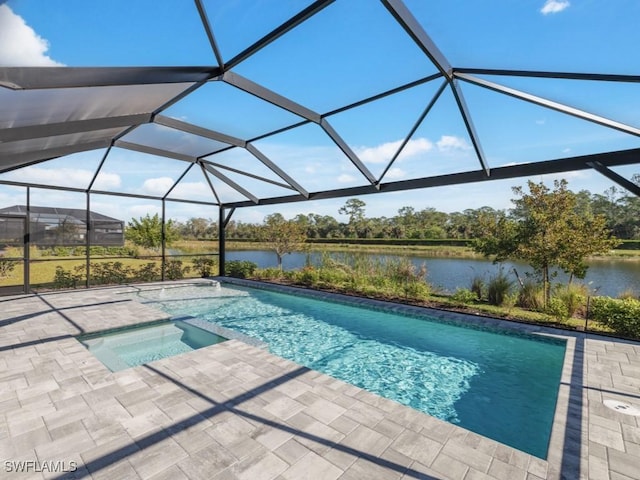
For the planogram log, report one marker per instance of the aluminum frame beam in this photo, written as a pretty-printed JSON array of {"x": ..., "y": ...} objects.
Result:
[
  {"x": 414, "y": 29},
  {"x": 231, "y": 183},
  {"x": 136, "y": 147},
  {"x": 290, "y": 24},
  {"x": 623, "y": 157},
  {"x": 543, "y": 102},
  {"x": 270, "y": 96},
  {"x": 617, "y": 178},
  {"x": 342, "y": 145},
  {"x": 206, "y": 176},
  {"x": 26, "y": 78},
  {"x": 600, "y": 77},
  {"x": 204, "y": 18},
  {"x": 253, "y": 150},
  {"x": 200, "y": 131},
  {"x": 468, "y": 122},
  {"x": 12, "y": 134},
  {"x": 247, "y": 174},
  {"x": 415, "y": 127}
]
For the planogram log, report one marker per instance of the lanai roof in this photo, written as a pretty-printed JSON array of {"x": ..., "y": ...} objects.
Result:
[{"x": 235, "y": 121}]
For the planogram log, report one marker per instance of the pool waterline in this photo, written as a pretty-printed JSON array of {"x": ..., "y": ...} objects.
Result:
[{"x": 448, "y": 362}]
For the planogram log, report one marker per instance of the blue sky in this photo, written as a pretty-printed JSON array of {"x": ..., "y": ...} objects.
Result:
[{"x": 351, "y": 50}]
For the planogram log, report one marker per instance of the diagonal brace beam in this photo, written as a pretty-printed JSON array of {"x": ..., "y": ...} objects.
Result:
[
  {"x": 231, "y": 183},
  {"x": 466, "y": 117},
  {"x": 414, "y": 29},
  {"x": 276, "y": 169},
  {"x": 543, "y": 102},
  {"x": 342, "y": 145},
  {"x": 619, "y": 179}
]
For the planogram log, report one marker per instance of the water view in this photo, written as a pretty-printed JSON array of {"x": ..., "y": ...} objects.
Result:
[{"x": 604, "y": 277}]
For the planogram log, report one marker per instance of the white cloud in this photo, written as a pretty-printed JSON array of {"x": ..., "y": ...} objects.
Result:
[
  {"x": 566, "y": 150},
  {"x": 20, "y": 45},
  {"x": 395, "y": 173},
  {"x": 384, "y": 152},
  {"x": 106, "y": 181},
  {"x": 448, "y": 143},
  {"x": 540, "y": 122},
  {"x": 554, "y": 6},
  {"x": 157, "y": 186},
  {"x": 345, "y": 178},
  {"x": 192, "y": 190}
]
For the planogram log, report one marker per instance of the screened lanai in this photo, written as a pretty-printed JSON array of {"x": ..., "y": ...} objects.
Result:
[{"x": 218, "y": 106}]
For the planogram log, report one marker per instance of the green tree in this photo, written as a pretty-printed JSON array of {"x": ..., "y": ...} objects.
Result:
[
  {"x": 283, "y": 236},
  {"x": 354, "y": 209},
  {"x": 147, "y": 232},
  {"x": 545, "y": 230}
]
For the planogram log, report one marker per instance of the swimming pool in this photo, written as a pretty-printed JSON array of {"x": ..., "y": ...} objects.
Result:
[
  {"x": 122, "y": 349},
  {"x": 501, "y": 384}
]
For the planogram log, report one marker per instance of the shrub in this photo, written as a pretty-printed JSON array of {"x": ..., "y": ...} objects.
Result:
[
  {"x": 240, "y": 268},
  {"x": 622, "y": 316},
  {"x": 149, "y": 272},
  {"x": 498, "y": 288},
  {"x": 464, "y": 296},
  {"x": 531, "y": 295},
  {"x": 203, "y": 265},
  {"x": 558, "y": 309},
  {"x": 268, "y": 273},
  {"x": 173, "y": 270},
  {"x": 65, "y": 278},
  {"x": 308, "y": 276},
  {"x": 573, "y": 296},
  {"x": 105, "y": 273},
  {"x": 478, "y": 286},
  {"x": 6, "y": 267}
]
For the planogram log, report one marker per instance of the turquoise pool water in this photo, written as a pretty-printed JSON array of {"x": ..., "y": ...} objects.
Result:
[
  {"x": 132, "y": 347},
  {"x": 500, "y": 385}
]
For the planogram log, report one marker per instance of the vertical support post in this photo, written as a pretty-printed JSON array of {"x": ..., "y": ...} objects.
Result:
[
  {"x": 221, "y": 242},
  {"x": 87, "y": 241},
  {"x": 163, "y": 242},
  {"x": 26, "y": 262}
]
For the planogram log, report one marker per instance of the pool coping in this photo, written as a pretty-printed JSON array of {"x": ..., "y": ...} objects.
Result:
[{"x": 52, "y": 390}]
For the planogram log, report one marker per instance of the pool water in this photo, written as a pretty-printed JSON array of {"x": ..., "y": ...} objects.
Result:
[
  {"x": 500, "y": 384},
  {"x": 132, "y": 347}
]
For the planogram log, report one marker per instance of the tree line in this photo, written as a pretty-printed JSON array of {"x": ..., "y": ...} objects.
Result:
[{"x": 619, "y": 209}]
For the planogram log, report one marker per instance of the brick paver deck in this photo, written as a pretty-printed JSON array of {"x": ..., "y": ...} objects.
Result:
[{"x": 234, "y": 411}]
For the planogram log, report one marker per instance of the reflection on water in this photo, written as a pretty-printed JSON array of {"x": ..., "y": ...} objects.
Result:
[{"x": 604, "y": 277}]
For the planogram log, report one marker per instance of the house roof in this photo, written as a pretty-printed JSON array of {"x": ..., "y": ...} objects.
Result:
[
  {"x": 246, "y": 159},
  {"x": 75, "y": 215}
]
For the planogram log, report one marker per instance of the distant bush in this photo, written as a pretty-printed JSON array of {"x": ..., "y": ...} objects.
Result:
[
  {"x": 149, "y": 272},
  {"x": 574, "y": 297},
  {"x": 240, "y": 268},
  {"x": 204, "y": 266},
  {"x": 558, "y": 309},
  {"x": 65, "y": 278},
  {"x": 464, "y": 296},
  {"x": 173, "y": 270},
  {"x": 621, "y": 315},
  {"x": 498, "y": 288},
  {"x": 478, "y": 287},
  {"x": 531, "y": 295}
]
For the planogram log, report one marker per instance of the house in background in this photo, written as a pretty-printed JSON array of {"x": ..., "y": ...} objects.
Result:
[{"x": 50, "y": 226}]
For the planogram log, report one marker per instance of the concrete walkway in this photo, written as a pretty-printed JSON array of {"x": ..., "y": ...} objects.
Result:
[{"x": 234, "y": 411}]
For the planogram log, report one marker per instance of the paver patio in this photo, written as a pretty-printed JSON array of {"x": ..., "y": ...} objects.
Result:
[{"x": 233, "y": 410}]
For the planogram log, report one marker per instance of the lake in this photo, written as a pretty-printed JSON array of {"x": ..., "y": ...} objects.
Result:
[{"x": 604, "y": 277}]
